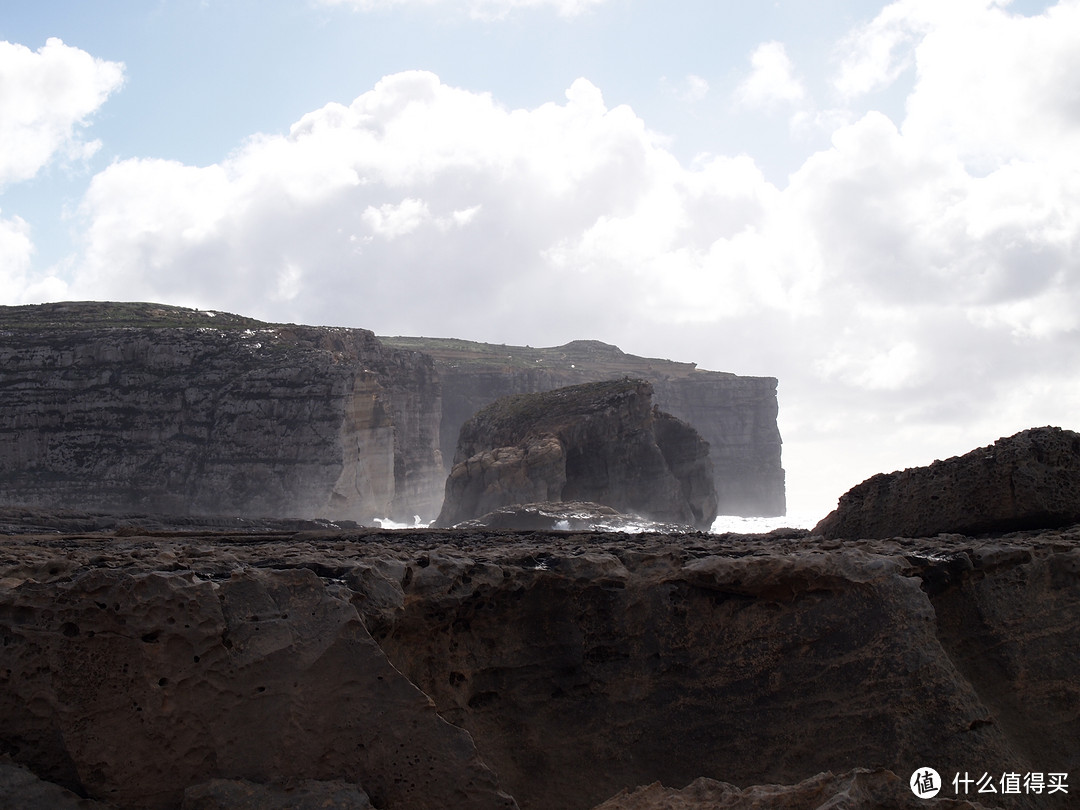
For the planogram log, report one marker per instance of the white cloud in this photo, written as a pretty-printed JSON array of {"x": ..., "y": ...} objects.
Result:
[
  {"x": 391, "y": 221},
  {"x": 482, "y": 9},
  {"x": 999, "y": 88},
  {"x": 45, "y": 97},
  {"x": 904, "y": 285},
  {"x": 772, "y": 80},
  {"x": 403, "y": 195}
]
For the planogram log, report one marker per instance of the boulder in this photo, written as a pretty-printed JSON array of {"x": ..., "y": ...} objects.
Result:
[
  {"x": 601, "y": 442},
  {"x": 1027, "y": 481}
]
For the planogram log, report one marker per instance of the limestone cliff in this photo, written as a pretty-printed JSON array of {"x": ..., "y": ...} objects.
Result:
[
  {"x": 149, "y": 665},
  {"x": 147, "y": 407},
  {"x": 736, "y": 415},
  {"x": 599, "y": 442}
]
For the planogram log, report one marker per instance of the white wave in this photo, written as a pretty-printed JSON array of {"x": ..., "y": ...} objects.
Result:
[
  {"x": 722, "y": 524},
  {"x": 387, "y": 523},
  {"x": 761, "y": 525}
]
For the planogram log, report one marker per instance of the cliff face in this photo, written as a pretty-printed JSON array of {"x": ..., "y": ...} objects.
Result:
[
  {"x": 148, "y": 407},
  {"x": 132, "y": 406},
  {"x": 735, "y": 415},
  {"x": 144, "y": 663},
  {"x": 598, "y": 442}
]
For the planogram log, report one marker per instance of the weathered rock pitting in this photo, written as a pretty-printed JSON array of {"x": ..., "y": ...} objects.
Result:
[
  {"x": 1027, "y": 481},
  {"x": 132, "y": 686},
  {"x": 598, "y": 442},
  {"x": 579, "y": 664}
]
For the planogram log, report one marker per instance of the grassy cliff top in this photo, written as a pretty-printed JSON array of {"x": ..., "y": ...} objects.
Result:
[
  {"x": 110, "y": 314},
  {"x": 518, "y": 413},
  {"x": 582, "y": 355}
]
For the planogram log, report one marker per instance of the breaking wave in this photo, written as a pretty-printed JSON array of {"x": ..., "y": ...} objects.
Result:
[{"x": 722, "y": 524}]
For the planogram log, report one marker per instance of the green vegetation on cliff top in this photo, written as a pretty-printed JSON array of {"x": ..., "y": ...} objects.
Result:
[
  {"x": 583, "y": 355},
  {"x": 519, "y": 412},
  {"x": 112, "y": 314}
]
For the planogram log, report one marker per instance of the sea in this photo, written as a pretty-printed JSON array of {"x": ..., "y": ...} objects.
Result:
[{"x": 722, "y": 525}]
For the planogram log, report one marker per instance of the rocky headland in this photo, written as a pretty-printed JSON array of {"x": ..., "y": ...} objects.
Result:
[
  {"x": 735, "y": 414},
  {"x": 154, "y": 408},
  {"x": 601, "y": 442}
]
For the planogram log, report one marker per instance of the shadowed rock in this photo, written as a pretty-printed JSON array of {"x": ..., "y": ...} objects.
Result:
[
  {"x": 240, "y": 794},
  {"x": 1027, "y": 481},
  {"x": 133, "y": 686},
  {"x": 600, "y": 442},
  {"x": 857, "y": 790}
]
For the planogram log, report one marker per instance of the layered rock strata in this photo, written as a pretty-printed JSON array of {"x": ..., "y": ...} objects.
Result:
[
  {"x": 1027, "y": 481},
  {"x": 455, "y": 669},
  {"x": 735, "y": 414},
  {"x": 152, "y": 407},
  {"x": 144, "y": 407},
  {"x": 598, "y": 442}
]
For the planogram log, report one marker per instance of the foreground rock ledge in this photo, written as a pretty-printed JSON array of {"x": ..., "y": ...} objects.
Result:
[{"x": 474, "y": 669}]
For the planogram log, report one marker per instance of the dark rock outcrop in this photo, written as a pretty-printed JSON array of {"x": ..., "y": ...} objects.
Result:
[
  {"x": 153, "y": 408},
  {"x": 20, "y": 789},
  {"x": 132, "y": 686},
  {"x": 736, "y": 415},
  {"x": 600, "y": 442},
  {"x": 242, "y": 794},
  {"x": 417, "y": 664},
  {"x": 1027, "y": 481},
  {"x": 857, "y": 790}
]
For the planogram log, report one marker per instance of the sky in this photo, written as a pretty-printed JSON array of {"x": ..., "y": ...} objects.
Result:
[{"x": 877, "y": 203}]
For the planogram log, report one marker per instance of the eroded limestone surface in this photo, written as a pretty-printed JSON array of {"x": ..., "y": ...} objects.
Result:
[{"x": 462, "y": 668}]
